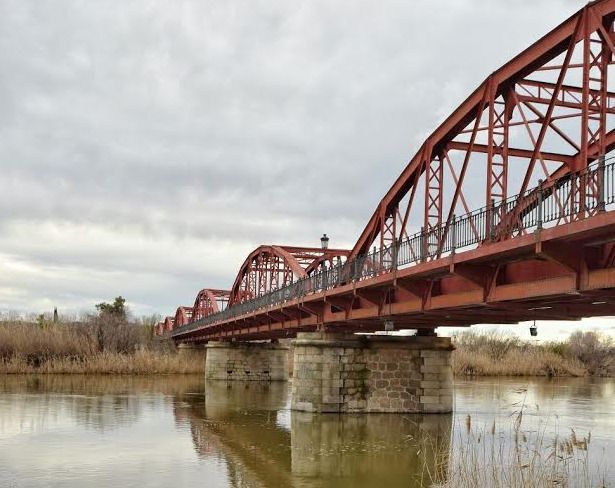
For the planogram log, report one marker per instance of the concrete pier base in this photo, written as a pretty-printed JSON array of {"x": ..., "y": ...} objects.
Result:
[
  {"x": 246, "y": 361},
  {"x": 347, "y": 373},
  {"x": 187, "y": 349}
]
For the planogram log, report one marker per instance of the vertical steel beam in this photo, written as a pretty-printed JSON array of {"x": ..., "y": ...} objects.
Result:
[{"x": 434, "y": 188}]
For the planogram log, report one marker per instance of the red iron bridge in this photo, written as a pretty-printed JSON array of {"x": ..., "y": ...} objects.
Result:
[{"x": 504, "y": 214}]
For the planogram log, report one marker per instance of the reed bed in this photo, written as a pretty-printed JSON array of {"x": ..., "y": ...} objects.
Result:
[
  {"x": 494, "y": 354},
  {"x": 519, "y": 457},
  {"x": 94, "y": 346},
  {"x": 529, "y": 362},
  {"x": 140, "y": 362}
]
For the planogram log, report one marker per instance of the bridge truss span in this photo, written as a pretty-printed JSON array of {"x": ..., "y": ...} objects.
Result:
[
  {"x": 530, "y": 152},
  {"x": 208, "y": 302},
  {"x": 546, "y": 113},
  {"x": 271, "y": 267}
]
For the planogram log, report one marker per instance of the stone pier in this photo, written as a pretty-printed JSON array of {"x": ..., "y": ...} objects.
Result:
[
  {"x": 360, "y": 374},
  {"x": 246, "y": 361},
  {"x": 187, "y": 349}
]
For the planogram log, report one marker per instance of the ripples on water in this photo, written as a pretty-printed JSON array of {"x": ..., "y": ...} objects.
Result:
[{"x": 76, "y": 431}]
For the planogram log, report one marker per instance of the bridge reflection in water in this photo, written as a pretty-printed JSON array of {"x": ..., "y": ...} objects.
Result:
[
  {"x": 74, "y": 431},
  {"x": 262, "y": 443}
]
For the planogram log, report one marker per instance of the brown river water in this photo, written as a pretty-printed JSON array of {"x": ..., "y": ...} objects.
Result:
[{"x": 176, "y": 431}]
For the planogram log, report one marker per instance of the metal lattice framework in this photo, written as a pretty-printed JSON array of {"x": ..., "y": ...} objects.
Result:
[
  {"x": 183, "y": 316},
  {"x": 545, "y": 114},
  {"x": 536, "y": 241},
  {"x": 271, "y": 267},
  {"x": 168, "y": 325},
  {"x": 209, "y": 301}
]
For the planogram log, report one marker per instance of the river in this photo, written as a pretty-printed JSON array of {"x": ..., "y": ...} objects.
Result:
[{"x": 176, "y": 431}]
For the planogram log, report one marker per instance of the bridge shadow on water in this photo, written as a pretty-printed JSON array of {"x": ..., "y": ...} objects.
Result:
[{"x": 263, "y": 443}]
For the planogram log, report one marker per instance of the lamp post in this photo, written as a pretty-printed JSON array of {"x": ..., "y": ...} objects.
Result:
[
  {"x": 324, "y": 242},
  {"x": 324, "y": 245}
]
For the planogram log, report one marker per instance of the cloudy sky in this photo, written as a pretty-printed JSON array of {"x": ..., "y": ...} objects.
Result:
[{"x": 147, "y": 146}]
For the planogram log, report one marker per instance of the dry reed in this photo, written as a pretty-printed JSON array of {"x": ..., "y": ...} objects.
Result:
[
  {"x": 517, "y": 457},
  {"x": 494, "y": 354},
  {"x": 95, "y": 346}
]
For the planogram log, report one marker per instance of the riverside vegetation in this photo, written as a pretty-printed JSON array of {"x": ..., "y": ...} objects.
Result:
[
  {"x": 514, "y": 456},
  {"x": 494, "y": 354},
  {"x": 105, "y": 342},
  {"x": 109, "y": 342}
]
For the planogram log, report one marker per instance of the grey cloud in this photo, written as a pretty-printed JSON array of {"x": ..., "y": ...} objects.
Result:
[{"x": 218, "y": 125}]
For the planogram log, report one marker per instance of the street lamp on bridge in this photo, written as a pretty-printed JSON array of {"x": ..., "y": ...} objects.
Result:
[{"x": 324, "y": 242}]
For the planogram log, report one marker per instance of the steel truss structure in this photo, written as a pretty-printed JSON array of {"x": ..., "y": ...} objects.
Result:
[
  {"x": 269, "y": 268},
  {"x": 208, "y": 302},
  {"x": 546, "y": 113},
  {"x": 535, "y": 137},
  {"x": 183, "y": 316}
]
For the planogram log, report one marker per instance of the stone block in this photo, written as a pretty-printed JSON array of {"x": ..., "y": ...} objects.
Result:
[
  {"x": 429, "y": 353},
  {"x": 430, "y": 368},
  {"x": 331, "y": 398}
]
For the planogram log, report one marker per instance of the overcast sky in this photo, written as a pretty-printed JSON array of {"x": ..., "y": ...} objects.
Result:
[{"x": 147, "y": 146}]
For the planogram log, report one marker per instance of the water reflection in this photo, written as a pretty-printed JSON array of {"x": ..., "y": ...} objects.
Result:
[
  {"x": 178, "y": 431},
  {"x": 264, "y": 443},
  {"x": 101, "y": 403},
  {"x": 372, "y": 450},
  {"x": 243, "y": 424}
]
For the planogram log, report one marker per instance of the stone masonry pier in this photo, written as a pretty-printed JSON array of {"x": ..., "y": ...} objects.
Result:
[
  {"x": 359, "y": 374},
  {"x": 246, "y": 361}
]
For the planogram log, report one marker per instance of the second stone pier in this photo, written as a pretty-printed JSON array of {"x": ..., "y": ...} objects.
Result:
[
  {"x": 348, "y": 373},
  {"x": 246, "y": 361}
]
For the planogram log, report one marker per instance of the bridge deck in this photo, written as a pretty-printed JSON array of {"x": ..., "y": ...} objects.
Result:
[{"x": 549, "y": 274}]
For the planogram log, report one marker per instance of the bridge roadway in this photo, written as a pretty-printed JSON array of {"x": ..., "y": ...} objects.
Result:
[{"x": 543, "y": 126}]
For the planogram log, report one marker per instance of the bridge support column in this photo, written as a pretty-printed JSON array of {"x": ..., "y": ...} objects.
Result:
[
  {"x": 187, "y": 349},
  {"x": 246, "y": 361},
  {"x": 359, "y": 374}
]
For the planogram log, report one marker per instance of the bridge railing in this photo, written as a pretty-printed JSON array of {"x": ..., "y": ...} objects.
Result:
[{"x": 573, "y": 197}]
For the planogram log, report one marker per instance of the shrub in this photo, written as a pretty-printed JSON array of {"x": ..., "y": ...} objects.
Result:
[{"x": 595, "y": 350}]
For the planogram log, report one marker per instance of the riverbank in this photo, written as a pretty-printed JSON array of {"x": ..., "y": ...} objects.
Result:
[
  {"x": 93, "y": 346},
  {"x": 108, "y": 345},
  {"x": 139, "y": 363},
  {"x": 493, "y": 354}
]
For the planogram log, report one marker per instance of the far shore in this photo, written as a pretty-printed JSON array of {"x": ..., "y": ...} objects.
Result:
[{"x": 107, "y": 345}]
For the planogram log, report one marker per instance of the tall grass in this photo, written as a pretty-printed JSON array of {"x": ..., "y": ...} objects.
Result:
[
  {"x": 99, "y": 344},
  {"x": 496, "y": 354},
  {"x": 518, "y": 457},
  {"x": 519, "y": 450}
]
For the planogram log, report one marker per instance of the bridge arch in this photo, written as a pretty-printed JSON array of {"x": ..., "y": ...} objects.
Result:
[
  {"x": 168, "y": 324},
  {"x": 209, "y": 301},
  {"x": 270, "y": 267},
  {"x": 183, "y": 315},
  {"x": 547, "y": 114}
]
